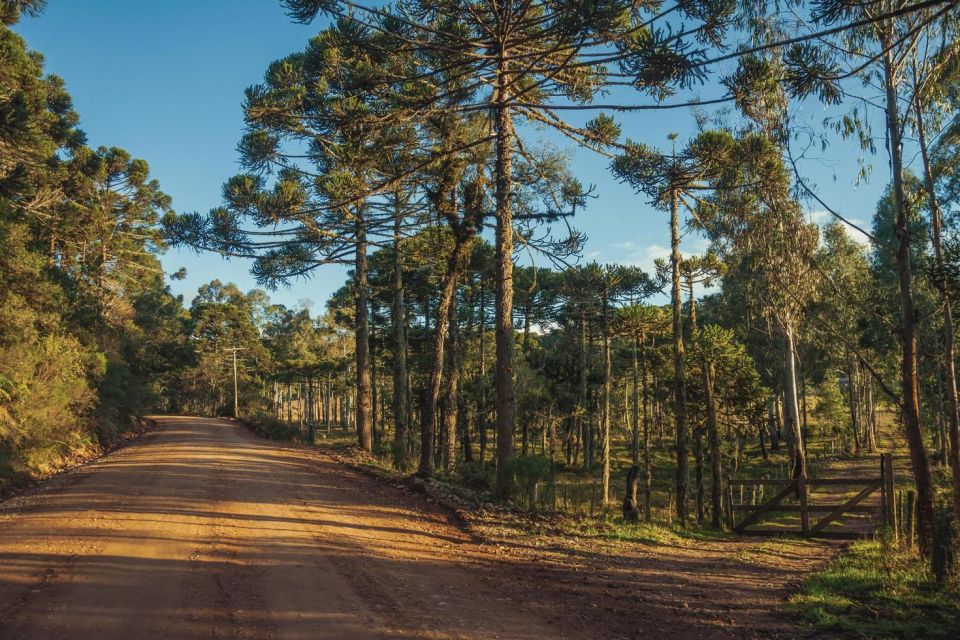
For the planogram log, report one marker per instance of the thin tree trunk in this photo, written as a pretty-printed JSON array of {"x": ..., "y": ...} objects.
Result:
[
  {"x": 374, "y": 395},
  {"x": 456, "y": 264},
  {"x": 713, "y": 436},
  {"x": 582, "y": 391},
  {"x": 607, "y": 378},
  {"x": 679, "y": 381},
  {"x": 635, "y": 407},
  {"x": 482, "y": 402},
  {"x": 698, "y": 429},
  {"x": 791, "y": 407},
  {"x": 949, "y": 368},
  {"x": 362, "y": 330},
  {"x": 504, "y": 285},
  {"x": 462, "y": 409},
  {"x": 398, "y": 321},
  {"x": 909, "y": 366},
  {"x": 854, "y": 403},
  {"x": 451, "y": 392},
  {"x": 647, "y": 467}
]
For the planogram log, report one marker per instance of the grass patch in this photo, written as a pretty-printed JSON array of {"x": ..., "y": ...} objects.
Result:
[
  {"x": 875, "y": 590},
  {"x": 648, "y": 533}
]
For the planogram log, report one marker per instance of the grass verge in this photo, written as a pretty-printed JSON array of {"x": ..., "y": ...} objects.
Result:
[{"x": 875, "y": 590}]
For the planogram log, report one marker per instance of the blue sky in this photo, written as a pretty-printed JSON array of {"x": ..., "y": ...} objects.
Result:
[{"x": 165, "y": 81}]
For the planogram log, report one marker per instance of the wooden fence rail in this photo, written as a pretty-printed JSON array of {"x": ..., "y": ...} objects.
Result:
[{"x": 798, "y": 490}]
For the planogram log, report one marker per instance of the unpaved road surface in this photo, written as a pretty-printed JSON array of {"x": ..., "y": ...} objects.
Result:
[{"x": 202, "y": 530}]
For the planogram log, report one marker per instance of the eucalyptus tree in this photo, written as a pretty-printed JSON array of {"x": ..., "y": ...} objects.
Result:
[
  {"x": 758, "y": 226},
  {"x": 935, "y": 80},
  {"x": 843, "y": 311},
  {"x": 885, "y": 49}
]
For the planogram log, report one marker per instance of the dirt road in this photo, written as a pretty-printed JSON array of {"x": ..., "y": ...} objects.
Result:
[{"x": 202, "y": 530}]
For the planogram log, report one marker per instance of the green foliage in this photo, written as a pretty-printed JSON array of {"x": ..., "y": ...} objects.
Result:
[
  {"x": 831, "y": 411},
  {"x": 78, "y": 252},
  {"x": 476, "y": 475},
  {"x": 527, "y": 472},
  {"x": 270, "y": 427},
  {"x": 875, "y": 590}
]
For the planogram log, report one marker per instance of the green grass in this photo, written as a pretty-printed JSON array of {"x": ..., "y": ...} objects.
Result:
[
  {"x": 874, "y": 590},
  {"x": 649, "y": 533}
]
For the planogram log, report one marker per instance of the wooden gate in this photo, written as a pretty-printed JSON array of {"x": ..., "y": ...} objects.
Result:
[{"x": 794, "y": 498}]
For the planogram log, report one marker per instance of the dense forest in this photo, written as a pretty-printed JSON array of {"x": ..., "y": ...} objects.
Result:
[{"x": 472, "y": 341}]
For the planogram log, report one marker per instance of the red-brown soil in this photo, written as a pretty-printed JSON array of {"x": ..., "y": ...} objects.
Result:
[{"x": 202, "y": 530}]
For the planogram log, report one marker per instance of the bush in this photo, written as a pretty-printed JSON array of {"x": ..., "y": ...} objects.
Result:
[
  {"x": 44, "y": 391},
  {"x": 268, "y": 426},
  {"x": 528, "y": 471},
  {"x": 475, "y": 475}
]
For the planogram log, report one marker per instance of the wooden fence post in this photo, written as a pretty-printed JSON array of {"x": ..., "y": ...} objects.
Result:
[
  {"x": 728, "y": 506},
  {"x": 887, "y": 494}
]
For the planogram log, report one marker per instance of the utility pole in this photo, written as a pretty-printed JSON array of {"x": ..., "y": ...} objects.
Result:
[{"x": 236, "y": 403}]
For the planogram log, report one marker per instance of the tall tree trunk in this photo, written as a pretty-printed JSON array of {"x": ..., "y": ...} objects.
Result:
[
  {"x": 582, "y": 390},
  {"x": 698, "y": 429},
  {"x": 607, "y": 379},
  {"x": 854, "y": 402},
  {"x": 456, "y": 265},
  {"x": 803, "y": 399},
  {"x": 451, "y": 394},
  {"x": 679, "y": 381},
  {"x": 482, "y": 402},
  {"x": 647, "y": 467},
  {"x": 327, "y": 404},
  {"x": 635, "y": 406},
  {"x": 589, "y": 434},
  {"x": 790, "y": 404},
  {"x": 399, "y": 327},
  {"x": 909, "y": 367},
  {"x": 713, "y": 437},
  {"x": 949, "y": 366},
  {"x": 462, "y": 410},
  {"x": 374, "y": 393},
  {"x": 362, "y": 330},
  {"x": 504, "y": 285}
]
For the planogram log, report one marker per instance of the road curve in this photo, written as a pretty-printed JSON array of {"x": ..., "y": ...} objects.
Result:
[{"x": 202, "y": 530}]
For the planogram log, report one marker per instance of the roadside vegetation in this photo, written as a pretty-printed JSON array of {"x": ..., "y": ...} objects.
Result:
[{"x": 876, "y": 589}]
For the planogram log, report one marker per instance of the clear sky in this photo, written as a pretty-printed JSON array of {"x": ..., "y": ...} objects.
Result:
[{"x": 165, "y": 81}]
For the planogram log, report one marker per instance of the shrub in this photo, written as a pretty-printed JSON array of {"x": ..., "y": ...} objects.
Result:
[
  {"x": 528, "y": 471},
  {"x": 475, "y": 475},
  {"x": 268, "y": 426}
]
